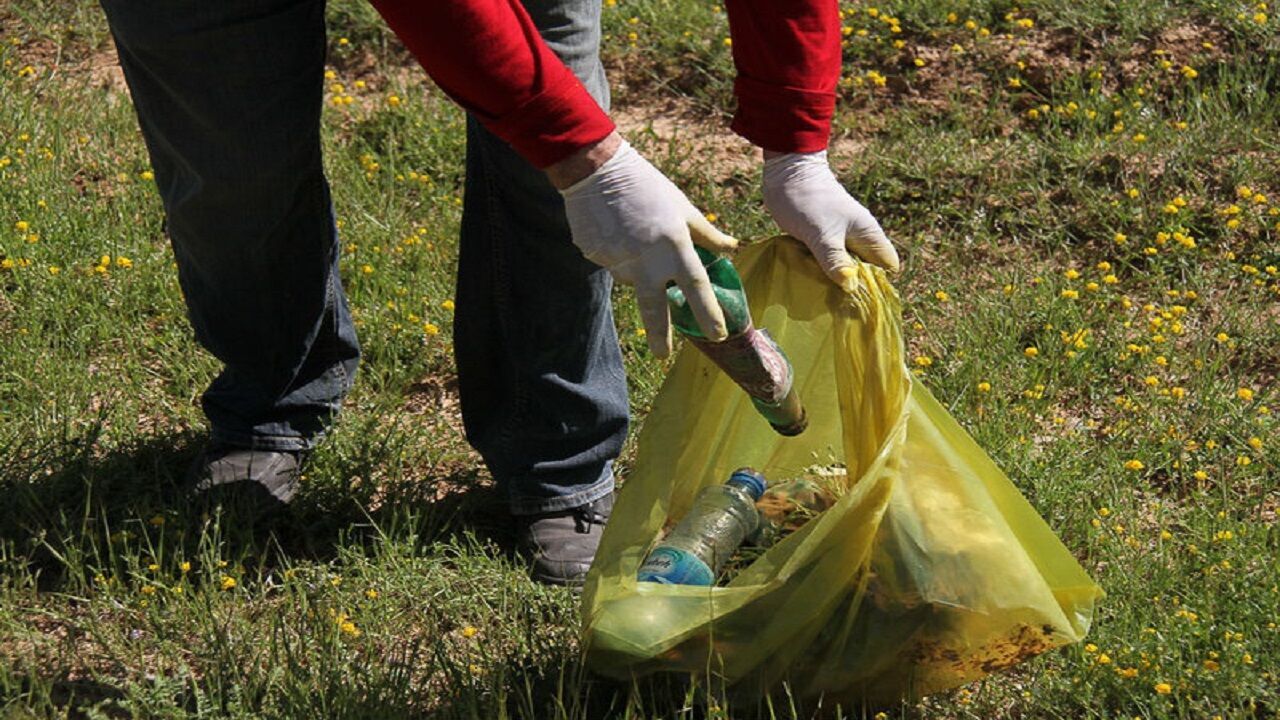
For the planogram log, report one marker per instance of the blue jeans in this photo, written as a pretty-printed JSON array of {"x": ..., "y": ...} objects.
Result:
[{"x": 228, "y": 95}]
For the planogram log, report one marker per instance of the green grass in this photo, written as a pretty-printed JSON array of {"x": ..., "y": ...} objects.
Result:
[{"x": 1007, "y": 163}]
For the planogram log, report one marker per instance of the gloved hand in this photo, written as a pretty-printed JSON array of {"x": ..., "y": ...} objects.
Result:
[
  {"x": 807, "y": 201},
  {"x": 631, "y": 220}
]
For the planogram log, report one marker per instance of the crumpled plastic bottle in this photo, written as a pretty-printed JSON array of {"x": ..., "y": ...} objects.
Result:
[
  {"x": 700, "y": 544},
  {"x": 748, "y": 355}
]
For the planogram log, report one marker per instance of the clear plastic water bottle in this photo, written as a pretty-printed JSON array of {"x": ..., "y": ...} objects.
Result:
[
  {"x": 749, "y": 355},
  {"x": 699, "y": 545}
]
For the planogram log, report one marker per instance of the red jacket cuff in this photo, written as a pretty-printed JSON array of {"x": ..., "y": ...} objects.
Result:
[
  {"x": 783, "y": 119},
  {"x": 553, "y": 124}
]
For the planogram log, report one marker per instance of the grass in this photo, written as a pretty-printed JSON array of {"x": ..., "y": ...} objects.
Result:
[{"x": 1086, "y": 198}]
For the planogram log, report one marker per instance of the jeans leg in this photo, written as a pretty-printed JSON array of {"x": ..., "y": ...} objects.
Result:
[
  {"x": 228, "y": 96},
  {"x": 544, "y": 396}
]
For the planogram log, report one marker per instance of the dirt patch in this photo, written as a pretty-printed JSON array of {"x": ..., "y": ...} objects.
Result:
[
  {"x": 677, "y": 127},
  {"x": 435, "y": 394},
  {"x": 1186, "y": 41},
  {"x": 104, "y": 71}
]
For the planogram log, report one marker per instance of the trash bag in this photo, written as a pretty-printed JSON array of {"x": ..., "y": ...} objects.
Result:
[{"x": 930, "y": 570}]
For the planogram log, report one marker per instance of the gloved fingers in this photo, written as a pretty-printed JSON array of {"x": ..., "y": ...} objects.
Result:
[
  {"x": 867, "y": 240},
  {"x": 691, "y": 278},
  {"x": 836, "y": 263},
  {"x": 705, "y": 235},
  {"x": 652, "y": 299}
]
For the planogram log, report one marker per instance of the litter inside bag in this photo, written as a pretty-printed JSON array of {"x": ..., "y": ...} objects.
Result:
[{"x": 928, "y": 569}]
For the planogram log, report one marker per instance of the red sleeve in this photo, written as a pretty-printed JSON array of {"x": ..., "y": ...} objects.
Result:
[
  {"x": 488, "y": 56},
  {"x": 787, "y": 53}
]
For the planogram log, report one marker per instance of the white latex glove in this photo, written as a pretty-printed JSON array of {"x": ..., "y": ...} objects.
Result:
[
  {"x": 631, "y": 220},
  {"x": 809, "y": 203}
]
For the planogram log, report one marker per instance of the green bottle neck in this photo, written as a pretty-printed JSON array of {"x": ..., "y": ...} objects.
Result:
[{"x": 727, "y": 286}]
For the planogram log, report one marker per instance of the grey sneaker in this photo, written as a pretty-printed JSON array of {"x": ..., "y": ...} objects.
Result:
[
  {"x": 246, "y": 480},
  {"x": 562, "y": 544}
]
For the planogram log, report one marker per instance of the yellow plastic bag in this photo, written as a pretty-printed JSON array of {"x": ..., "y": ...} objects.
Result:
[{"x": 930, "y": 571}]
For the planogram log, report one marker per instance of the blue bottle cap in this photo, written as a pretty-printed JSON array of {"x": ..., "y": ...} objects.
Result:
[{"x": 750, "y": 480}]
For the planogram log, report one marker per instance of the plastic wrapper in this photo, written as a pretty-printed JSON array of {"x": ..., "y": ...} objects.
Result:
[{"x": 928, "y": 572}]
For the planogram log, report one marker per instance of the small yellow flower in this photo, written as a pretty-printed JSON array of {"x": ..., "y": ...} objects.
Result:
[
  {"x": 941, "y": 296},
  {"x": 1031, "y": 351},
  {"x": 1163, "y": 688},
  {"x": 1244, "y": 393},
  {"x": 430, "y": 329},
  {"x": 393, "y": 100},
  {"x": 448, "y": 305},
  {"x": 148, "y": 590},
  {"x": 984, "y": 387},
  {"x": 228, "y": 582},
  {"x": 1120, "y": 238},
  {"x": 22, "y": 226},
  {"x": 1255, "y": 442},
  {"x": 1134, "y": 465},
  {"x": 469, "y": 631},
  {"x": 923, "y": 361},
  {"x": 184, "y": 566},
  {"x": 371, "y": 594},
  {"x": 1090, "y": 648}
]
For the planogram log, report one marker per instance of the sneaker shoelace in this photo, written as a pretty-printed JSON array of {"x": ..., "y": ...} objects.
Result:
[{"x": 586, "y": 516}]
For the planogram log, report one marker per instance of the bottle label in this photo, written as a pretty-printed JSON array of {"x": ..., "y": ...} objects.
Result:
[
  {"x": 754, "y": 361},
  {"x": 673, "y": 566}
]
